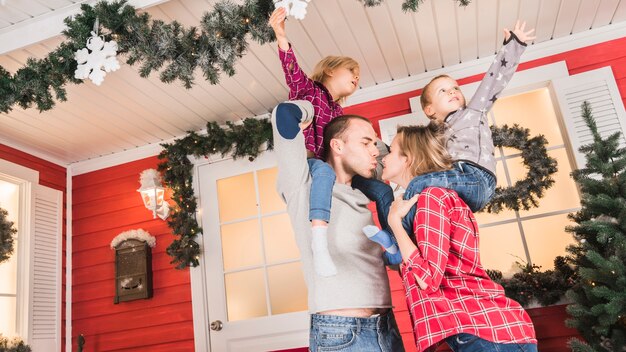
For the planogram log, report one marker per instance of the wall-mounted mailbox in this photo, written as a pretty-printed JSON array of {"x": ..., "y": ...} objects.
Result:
[{"x": 133, "y": 270}]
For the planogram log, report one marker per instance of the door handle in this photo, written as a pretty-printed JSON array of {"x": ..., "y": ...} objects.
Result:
[{"x": 216, "y": 325}]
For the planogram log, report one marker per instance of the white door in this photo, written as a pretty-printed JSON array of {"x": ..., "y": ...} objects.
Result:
[{"x": 255, "y": 288}]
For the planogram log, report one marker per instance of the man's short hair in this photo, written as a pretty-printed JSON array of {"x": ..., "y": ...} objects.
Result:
[{"x": 335, "y": 129}]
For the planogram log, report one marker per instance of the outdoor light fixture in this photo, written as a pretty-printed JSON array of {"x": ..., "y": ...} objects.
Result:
[{"x": 152, "y": 193}]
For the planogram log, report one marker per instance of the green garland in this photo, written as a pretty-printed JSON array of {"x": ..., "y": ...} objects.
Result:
[
  {"x": 242, "y": 140},
  {"x": 7, "y": 236},
  {"x": 525, "y": 193},
  {"x": 532, "y": 284},
  {"x": 246, "y": 140},
  {"x": 214, "y": 47},
  {"x": 13, "y": 345}
]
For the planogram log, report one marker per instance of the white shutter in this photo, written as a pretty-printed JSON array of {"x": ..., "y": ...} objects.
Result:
[
  {"x": 598, "y": 87},
  {"x": 46, "y": 256}
]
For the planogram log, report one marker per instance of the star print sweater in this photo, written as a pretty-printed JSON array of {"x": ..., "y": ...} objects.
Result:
[{"x": 468, "y": 137}]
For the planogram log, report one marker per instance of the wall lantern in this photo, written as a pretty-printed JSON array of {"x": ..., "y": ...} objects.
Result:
[
  {"x": 153, "y": 193},
  {"x": 133, "y": 265}
]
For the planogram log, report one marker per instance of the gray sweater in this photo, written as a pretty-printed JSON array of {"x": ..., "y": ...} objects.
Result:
[
  {"x": 361, "y": 280},
  {"x": 468, "y": 137}
]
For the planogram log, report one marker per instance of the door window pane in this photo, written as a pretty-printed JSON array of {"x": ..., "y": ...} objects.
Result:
[
  {"x": 245, "y": 295},
  {"x": 236, "y": 197},
  {"x": 280, "y": 243},
  {"x": 563, "y": 194},
  {"x": 533, "y": 110},
  {"x": 7, "y": 322},
  {"x": 500, "y": 247},
  {"x": 269, "y": 199},
  {"x": 287, "y": 289},
  {"x": 546, "y": 238},
  {"x": 241, "y": 244}
]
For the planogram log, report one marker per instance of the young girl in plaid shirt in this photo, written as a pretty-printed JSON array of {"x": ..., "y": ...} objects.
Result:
[
  {"x": 449, "y": 294},
  {"x": 333, "y": 80}
]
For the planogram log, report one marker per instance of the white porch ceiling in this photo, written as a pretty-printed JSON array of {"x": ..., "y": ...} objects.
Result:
[{"x": 127, "y": 111}]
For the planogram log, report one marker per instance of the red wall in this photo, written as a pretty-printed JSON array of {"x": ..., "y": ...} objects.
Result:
[
  {"x": 50, "y": 175},
  {"x": 612, "y": 53},
  {"x": 106, "y": 203}
]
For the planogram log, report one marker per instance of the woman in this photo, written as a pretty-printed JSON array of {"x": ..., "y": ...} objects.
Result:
[{"x": 449, "y": 295}]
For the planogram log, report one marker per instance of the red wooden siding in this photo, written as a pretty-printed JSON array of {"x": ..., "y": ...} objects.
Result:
[
  {"x": 105, "y": 203},
  {"x": 53, "y": 176},
  {"x": 611, "y": 53}
]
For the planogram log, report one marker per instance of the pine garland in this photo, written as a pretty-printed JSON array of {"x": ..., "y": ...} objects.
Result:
[
  {"x": 532, "y": 284},
  {"x": 241, "y": 140},
  {"x": 246, "y": 140},
  {"x": 13, "y": 345},
  {"x": 177, "y": 51},
  {"x": 525, "y": 193},
  {"x": 7, "y": 236}
]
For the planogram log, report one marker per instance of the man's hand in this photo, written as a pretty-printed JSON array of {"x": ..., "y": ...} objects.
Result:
[
  {"x": 277, "y": 22},
  {"x": 522, "y": 35}
]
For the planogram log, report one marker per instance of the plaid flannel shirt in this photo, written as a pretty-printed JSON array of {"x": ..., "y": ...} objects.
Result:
[
  {"x": 460, "y": 297},
  {"x": 301, "y": 87}
]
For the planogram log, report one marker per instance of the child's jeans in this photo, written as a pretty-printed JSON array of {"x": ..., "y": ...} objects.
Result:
[
  {"x": 322, "y": 182},
  {"x": 474, "y": 185}
]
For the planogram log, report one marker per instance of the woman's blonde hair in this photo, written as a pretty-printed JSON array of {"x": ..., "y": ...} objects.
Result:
[
  {"x": 425, "y": 148},
  {"x": 329, "y": 63}
]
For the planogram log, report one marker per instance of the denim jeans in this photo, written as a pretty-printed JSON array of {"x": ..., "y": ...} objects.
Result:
[
  {"x": 322, "y": 182},
  {"x": 377, "y": 191},
  {"x": 474, "y": 185},
  {"x": 471, "y": 343},
  {"x": 337, "y": 333}
]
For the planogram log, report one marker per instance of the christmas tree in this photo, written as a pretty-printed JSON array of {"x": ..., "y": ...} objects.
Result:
[{"x": 599, "y": 308}]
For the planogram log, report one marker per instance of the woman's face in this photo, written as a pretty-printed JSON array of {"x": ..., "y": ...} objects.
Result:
[{"x": 395, "y": 164}]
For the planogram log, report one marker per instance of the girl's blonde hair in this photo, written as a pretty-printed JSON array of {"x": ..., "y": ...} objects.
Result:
[
  {"x": 425, "y": 148},
  {"x": 329, "y": 63}
]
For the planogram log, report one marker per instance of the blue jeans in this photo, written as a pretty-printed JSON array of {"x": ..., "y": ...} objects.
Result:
[
  {"x": 322, "y": 182},
  {"x": 337, "y": 333},
  {"x": 474, "y": 185},
  {"x": 471, "y": 343}
]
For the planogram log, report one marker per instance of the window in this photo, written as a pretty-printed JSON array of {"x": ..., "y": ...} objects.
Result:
[
  {"x": 32, "y": 297},
  {"x": 9, "y": 201},
  {"x": 536, "y": 235}
]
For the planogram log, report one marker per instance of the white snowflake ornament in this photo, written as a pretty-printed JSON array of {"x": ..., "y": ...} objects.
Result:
[
  {"x": 96, "y": 60},
  {"x": 295, "y": 8}
]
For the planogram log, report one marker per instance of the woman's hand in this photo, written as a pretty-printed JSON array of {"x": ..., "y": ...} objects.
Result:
[
  {"x": 400, "y": 207},
  {"x": 277, "y": 22},
  {"x": 520, "y": 33}
]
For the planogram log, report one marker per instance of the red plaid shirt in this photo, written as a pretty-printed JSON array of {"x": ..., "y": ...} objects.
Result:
[
  {"x": 460, "y": 297},
  {"x": 301, "y": 87}
]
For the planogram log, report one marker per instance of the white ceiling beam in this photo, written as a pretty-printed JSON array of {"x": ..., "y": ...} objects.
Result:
[{"x": 40, "y": 28}]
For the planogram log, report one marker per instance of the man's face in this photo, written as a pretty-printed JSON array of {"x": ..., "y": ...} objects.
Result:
[{"x": 357, "y": 148}]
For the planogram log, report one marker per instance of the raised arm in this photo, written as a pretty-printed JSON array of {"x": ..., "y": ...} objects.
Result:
[
  {"x": 501, "y": 70},
  {"x": 298, "y": 82}
]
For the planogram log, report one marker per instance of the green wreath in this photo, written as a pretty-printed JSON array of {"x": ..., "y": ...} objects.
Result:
[
  {"x": 7, "y": 233},
  {"x": 524, "y": 194}
]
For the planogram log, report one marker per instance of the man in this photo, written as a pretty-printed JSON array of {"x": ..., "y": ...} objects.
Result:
[{"x": 350, "y": 311}]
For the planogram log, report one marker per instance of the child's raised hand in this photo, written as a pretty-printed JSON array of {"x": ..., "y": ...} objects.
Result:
[
  {"x": 520, "y": 32},
  {"x": 277, "y": 22}
]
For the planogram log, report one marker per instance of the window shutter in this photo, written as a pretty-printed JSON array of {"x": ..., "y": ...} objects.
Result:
[
  {"x": 45, "y": 288},
  {"x": 599, "y": 88}
]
